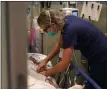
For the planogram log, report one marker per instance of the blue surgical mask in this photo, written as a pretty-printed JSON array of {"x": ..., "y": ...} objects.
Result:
[{"x": 51, "y": 33}]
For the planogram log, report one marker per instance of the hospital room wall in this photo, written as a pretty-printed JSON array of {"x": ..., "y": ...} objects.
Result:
[{"x": 102, "y": 23}]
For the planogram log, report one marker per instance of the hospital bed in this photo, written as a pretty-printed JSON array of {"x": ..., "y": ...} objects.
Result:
[{"x": 38, "y": 81}]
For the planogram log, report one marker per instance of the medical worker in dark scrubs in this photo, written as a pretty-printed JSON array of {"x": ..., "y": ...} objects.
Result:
[{"x": 76, "y": 33}]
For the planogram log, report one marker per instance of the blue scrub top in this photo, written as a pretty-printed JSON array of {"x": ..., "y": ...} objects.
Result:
[{"x": 85, "y": 37}]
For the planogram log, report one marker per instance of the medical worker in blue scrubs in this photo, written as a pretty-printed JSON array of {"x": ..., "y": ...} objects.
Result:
[{"x": 75, "y": 33}]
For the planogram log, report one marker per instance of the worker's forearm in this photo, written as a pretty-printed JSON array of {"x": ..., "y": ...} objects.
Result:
[
  {"x": 54, "y": 52},
  {"x": 58, "y": 68}
]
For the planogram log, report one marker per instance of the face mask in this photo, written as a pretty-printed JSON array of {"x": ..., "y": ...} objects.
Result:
[{"x": 51, "y": 33}]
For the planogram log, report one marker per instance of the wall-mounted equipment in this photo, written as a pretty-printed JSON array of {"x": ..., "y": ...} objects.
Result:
[
  {"x": 69, "y": 11},
  {"x": 91, "y": 10}
]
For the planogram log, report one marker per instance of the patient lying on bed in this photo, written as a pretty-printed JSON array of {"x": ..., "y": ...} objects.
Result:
[{"x": 33, "y": 63}]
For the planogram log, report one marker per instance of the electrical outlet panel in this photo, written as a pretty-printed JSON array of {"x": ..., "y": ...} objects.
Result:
[
  {"x": 96, "y": 11},
  {"x": 91, "y": 10},
  {"x": 86, "y": 10}
]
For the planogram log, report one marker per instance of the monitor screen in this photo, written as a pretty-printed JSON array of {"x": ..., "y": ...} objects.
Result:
[{"x": 75, "y": 13}]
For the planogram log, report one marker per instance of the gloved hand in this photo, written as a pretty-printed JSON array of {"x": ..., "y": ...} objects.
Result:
[{"x": 42, "y": 66}]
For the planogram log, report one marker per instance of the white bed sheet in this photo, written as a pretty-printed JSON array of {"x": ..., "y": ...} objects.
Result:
[{"x": 38, "y": 84}]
